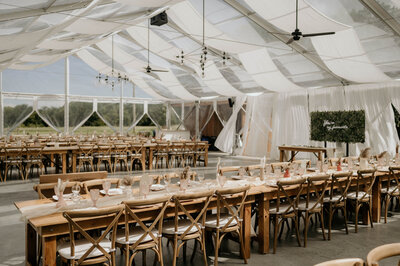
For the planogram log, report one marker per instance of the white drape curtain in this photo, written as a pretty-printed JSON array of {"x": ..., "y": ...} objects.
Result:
[
  {"x": 16, "y": 111},
  {"x": 291, "y": 121},
  {"x": 226, "y": 138},
  {"x": 51, "y": 111},
  {"x": 375, "y": 99},
  {"x": 79, "y": 113},
  {"x": 257, "y": 128}
]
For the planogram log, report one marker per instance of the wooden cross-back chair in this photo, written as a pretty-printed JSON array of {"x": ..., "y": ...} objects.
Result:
[
  {"x": 14, "y": 158},
  {"x": 392, "y": 188},
  {"x": 201, "y": 151},
  {"x": 98, "y": 184},
  {"x": 339, "y": 185},
  {"x": 162, "y": 153},
  {"x": 177, "y": 153},
  {"x": 90, "y": 250},
  {"x": 103, "y": 155},
  {"x": 192, "y": 175},
  {"x": 120, "y": 155},
  {"x": 254, "y": 170},
  {"x": 363, "y": 193},
  {"x": 46, "y": 191},
  {"x": 85, "y": 155},
  {"x": 191, "y": 228},
  {"x": 313, "y": 203},
  {"x": 189, "y": 153},
  {"x": 281, "y": 212},
  {"x": 230, "y": 169},
  {"x": 137, "y": 154},
  {"x": 142, "y": 236},
  {"x": 33, "y": 157},
  {"x": 224, "y": 223},
  {"x": 279, "y": 166}
]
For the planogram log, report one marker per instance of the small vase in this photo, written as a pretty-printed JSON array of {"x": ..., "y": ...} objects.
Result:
[{"x": 287, "y": 173}]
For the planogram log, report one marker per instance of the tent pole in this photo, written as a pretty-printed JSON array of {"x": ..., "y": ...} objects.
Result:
[
  {"x": 168, "y": 116},
  {"x": 66, "y": 95},
  {"x": 197, "y": 106},
  {"x": 1, "y": 106},
  {"x": 121, "y": 110}
]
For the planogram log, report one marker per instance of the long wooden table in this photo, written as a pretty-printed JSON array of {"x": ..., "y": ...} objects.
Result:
[
  {"x": 317, "y": 151},
  {"x": 51, "y": 226}
]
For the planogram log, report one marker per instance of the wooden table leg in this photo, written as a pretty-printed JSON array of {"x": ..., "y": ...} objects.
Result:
[
  {"x": 49, "y": 250},
  {"x": 376, "y": 200},
  {"x": 320, "y": 156},
  {"x": 150, "y": 158},
  {"x": 263, "y": 225},
  {"x": 246, "y": 230},
  {"x": 73, "y": 162},
  {"x": 30, "y": 245},
  {"x": 281, "y": 155},
  {"x": 64, "y": 163},
  {"x": 206, "y": 158},
  {"x": 51, "y": 160}
]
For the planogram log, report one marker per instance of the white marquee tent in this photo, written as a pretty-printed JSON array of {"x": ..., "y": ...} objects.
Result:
[{"x": 52, "y": 50}]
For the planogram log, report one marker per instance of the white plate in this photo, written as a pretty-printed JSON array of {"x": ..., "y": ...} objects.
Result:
[
  {"x": 66, "y": 197},
  {"x": 157, "y": 187},
  {"x": 112, "y": 191}
]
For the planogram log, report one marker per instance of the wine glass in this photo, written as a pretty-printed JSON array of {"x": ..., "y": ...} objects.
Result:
[
  {"x": 242, "y": 172},
  {"x": 76, "y": 188},
  {"x": 167, "y": 182},
  {"x": 106, "y": 186},
  {"x": 350, "y": 164},
  {"x": 94, "y": 196},
  {"x": 200, "y": 176},
  {"x": 183, "y": 184},
  {"x": 325, "y": 167},
  {"x": 319, "y": 164},
  {"x": 221, "y": 180}
]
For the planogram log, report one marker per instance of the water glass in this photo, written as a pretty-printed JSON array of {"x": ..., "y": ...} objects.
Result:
[
  {"x": 106, "y": 187},
  {"x": 200, "y": 176},
  {"x": 94, "y": 196},
  {"x": 76, "y": 188}
]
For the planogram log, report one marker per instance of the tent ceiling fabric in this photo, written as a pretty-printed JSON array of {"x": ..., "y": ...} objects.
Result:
[{"x": 37, "y": 33}]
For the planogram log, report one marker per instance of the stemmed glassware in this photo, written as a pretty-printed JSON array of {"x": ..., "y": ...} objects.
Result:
[
  {"x": 76, "y": 188},
  {"x": 200, "y": 176},
  {"x": 94, "y": 196},
  {"x": 221, "y": 180},
  {"x": 106, "y": 187},
  {"x": 167, "y": 182}
]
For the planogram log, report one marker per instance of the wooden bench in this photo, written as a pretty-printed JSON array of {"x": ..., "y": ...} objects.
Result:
[{"x": 81, "y": 177}]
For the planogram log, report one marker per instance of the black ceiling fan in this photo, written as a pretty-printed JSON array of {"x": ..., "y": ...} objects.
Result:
[
  {"x": 148, "y": 68},
  {"x": 297, "y": 34}
]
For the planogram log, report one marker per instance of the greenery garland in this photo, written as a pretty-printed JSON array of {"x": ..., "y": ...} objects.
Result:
[{"x": 338, "y": 126}]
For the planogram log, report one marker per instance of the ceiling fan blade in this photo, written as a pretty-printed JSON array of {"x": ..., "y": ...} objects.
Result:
[
  {"x": 290, "y": 41},
  {"x": 318, "y": 34}
]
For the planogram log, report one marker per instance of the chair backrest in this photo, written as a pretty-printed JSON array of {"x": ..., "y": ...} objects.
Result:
[
  {"x": 283, "y": 192},
  {"x": 236, "y": 214},
  {"x": 120, "y": 148},
  {"x": 279, "y": 166},
  {"x": 394, "y": 176},
  {"x": 229, "y": 169},
  {"x": 131, "y": 208},
  {"x": 299, "y": 162},
  {"x": 364, "y": 182},
  {"x": 46, "y": 191},
  {"x": 136, "y": 148},
  {"x": 81, "y": 177},
  {"x": 104, "y": 148},
  {"x": 192, "y": 175},
  {"x": 341, "y": 182},
  {"x": 34, "y": 151},
  {"x": 382, "y": 252},
  {"x": 98, "y": 183},
  {"x": 343, "y": 262},
  {"x": 86, "y": 149},
  {"x": 203, "y": 198},
  {"x": 253, "y": 170},
  {"x": 316, "y": 187},
  {"x": 77, "y": 218},
  {"x": 156, "y": 178}
]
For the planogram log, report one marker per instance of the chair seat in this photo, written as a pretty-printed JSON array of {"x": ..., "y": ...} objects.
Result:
[
  {"x": 13, "y": 161},
  {"x": 81, "y": 246},
  {"x": 335, "y": 198},
  {"x": 169, "y": 227},
  {"x": 34, "y": 161},
  {"x": 161, "y": 154},
  {"x": 392, "y": 190},
  {"x": 85, "y": 157},
  {"x": 136, "y": 155},
  {"x": 282, "y": 208},
  {"x": 352, "y": 195},
  {"x": 120, "y": 156},
  {"x": 134, "y": 235},
  {"x": 302, "y": 205},
  {"x": 100, "y": 156},
  {"x": 211, "y": 221}
]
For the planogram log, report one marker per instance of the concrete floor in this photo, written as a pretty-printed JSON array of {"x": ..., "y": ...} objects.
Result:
[{"x": 12, "y": 231}]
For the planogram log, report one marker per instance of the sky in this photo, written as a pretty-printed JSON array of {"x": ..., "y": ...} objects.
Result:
[{"x": 50, "y": 80}]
